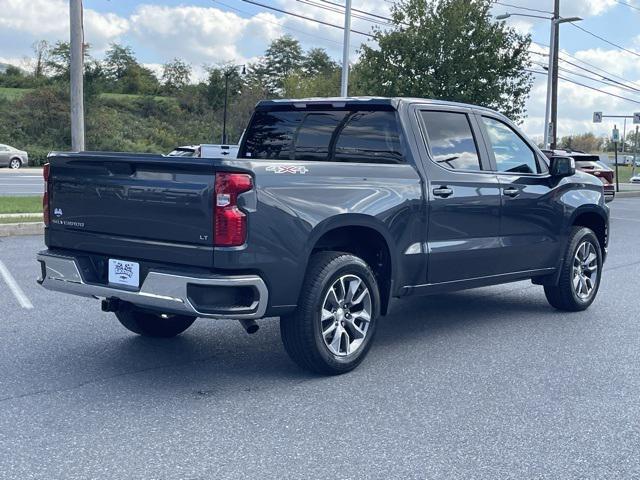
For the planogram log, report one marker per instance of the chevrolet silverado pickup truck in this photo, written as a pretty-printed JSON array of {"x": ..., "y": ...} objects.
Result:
[{"x": 333, "y": 207}]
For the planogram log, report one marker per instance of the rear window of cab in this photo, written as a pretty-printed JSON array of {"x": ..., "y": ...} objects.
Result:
[{"x": 362, "y": 136}]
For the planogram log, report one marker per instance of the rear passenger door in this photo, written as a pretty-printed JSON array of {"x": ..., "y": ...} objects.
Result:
[
  {"x": 531, "y": 216},
  {"x": 463, "y": 194}
]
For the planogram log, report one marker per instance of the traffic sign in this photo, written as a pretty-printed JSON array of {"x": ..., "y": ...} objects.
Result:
[
  {"x": 597, "y": 117},
  {"x": 636, "y": 117},
  {"x": 615, "y": 135}
]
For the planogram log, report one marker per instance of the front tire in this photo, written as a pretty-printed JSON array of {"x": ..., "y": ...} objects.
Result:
[
  {"x": 15, "y": 163},
  {"x": 580, "y": 275},
  {"x": 150, "y": 324},
  {"x": 332, "y": 329}
]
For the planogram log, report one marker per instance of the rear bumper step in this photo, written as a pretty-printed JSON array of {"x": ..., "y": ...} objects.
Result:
[{"x": 162, "y": 291}]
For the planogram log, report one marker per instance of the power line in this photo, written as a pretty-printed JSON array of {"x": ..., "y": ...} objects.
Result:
[
  {"x": 627, "y": 5},
  {"x": 381, "y": 17},
  {"x": 293, "y": 14},
  {"x": 604, "y": 81},
  {"x": 283, "y": 26},
  {"x": 601, "y": 75},
  {"x": 610, "y": 74},
  {"x": 524, "y": 8},
  {"x": 334, "y": 9},
  {"x": 605, "y": 40},
  {"x": 586, "y": 86}
]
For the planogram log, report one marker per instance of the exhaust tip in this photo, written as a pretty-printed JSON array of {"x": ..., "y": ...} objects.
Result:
[{"x": 250, "y": 326}]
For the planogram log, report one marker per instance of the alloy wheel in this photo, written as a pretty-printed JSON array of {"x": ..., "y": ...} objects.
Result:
[
  {"x": 585, "y": 270},
  {"x": 15, "y": 163},
  {"x": 346, "y": 315}
]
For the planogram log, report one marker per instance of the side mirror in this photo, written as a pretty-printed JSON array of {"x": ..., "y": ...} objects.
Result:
[{"x": 562, "y": 166}]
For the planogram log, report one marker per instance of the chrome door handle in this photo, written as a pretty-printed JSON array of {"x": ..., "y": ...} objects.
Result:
[
  {"x": 511, "y": 192},
  {"x": 443, "y": 192}
]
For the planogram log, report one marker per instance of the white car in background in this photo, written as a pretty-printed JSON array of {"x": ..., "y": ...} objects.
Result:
[
  {"x": 12, "y": 157},
  {"x": 206, "y": 150},
  {"x": 635, "y": 178}
]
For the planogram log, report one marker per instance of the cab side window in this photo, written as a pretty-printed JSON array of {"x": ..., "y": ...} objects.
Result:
[
  {"x": 512, "y": 154},
  {"x": 451, "y": 140}
]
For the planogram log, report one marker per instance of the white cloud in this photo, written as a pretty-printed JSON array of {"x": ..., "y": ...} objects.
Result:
[
  {"x": 203, "y": 35},
  {"x": 49, "y": 20}
]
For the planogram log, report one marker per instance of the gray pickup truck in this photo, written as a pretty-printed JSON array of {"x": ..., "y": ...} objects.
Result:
[{"x": 333, "y": 207}]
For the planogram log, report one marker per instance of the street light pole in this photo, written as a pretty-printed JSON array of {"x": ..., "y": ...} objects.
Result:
[
  {"x": 344, "y": 84},
  {"x": 228, "y": 72},
  {"x": 224, "y": 115},
  {"x": 76, "y": 75}
]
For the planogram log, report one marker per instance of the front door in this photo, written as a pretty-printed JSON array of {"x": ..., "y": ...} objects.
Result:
[
  {"x": 531, "y": 223},
  {"x": 464, "y": 198}
]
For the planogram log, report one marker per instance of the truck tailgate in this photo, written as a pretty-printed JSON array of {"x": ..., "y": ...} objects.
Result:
[{"x": 131, "y": 199}]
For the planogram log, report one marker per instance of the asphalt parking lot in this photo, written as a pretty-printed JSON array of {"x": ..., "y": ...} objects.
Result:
[{"x": 489, "y": 383}]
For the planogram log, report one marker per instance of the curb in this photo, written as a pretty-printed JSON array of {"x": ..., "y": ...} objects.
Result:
[
  {"x": 18, "y": 215},
  {"x": 624, "y": 194},
  {"x": 14, "y": 229}
]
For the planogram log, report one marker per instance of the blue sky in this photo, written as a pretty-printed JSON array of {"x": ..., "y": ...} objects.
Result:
[{"x": 207, "y": 32}]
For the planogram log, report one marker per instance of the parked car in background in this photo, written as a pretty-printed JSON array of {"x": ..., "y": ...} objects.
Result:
[
  {"x": 635, "y": 178},
  {"x": 12, "y": 157},
  {"x": 591, "y": 164},
  {"x": 206, "y": 151}
]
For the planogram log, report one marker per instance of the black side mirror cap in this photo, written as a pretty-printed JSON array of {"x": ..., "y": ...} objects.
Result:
[{"x": 562, "y": 166}]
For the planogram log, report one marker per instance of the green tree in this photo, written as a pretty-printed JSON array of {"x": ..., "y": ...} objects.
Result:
[
  {"x": 41, "y": 53},
  {"x": 215, "y": 84},
  {"x": 586, "y": 142},
  {"x": 59, "y": 60},
  {"x": 318, "y": 62},
  {"x": 176, "y": 75},
  {"x": 283, "y": 57},
  {"x": 118, "y": 60},
  {"x": 450, "y": 50}
]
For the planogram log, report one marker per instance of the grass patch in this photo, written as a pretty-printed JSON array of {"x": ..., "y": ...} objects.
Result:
[
  {"x": 128, "y": 97},
  {"x": 25, "y": 219},
  {"x": 20, "y": 204},
  {"x": 13, "y": 93}
]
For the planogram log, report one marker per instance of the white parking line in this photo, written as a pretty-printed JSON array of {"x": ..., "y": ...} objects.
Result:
[{"x": 14, "y": 287}]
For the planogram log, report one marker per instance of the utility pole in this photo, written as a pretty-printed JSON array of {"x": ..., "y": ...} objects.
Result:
[
  {"x": 554, "y": 74},
  {"x": 77, "y": 75},
  {"x": 344, "y": 85},
  {"x": 635, "y": 153},
  {"x": 547, "y": 110}
]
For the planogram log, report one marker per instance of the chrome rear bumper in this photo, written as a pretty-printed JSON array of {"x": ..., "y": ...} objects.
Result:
[{"x": 161, "y": 291}]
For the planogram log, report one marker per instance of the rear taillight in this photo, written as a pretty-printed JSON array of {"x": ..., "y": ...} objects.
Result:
[
  {"x": 230, "y": 225},
  {"x": 45, "y": 196}
]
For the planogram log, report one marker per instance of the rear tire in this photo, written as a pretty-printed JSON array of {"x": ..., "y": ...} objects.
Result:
[
  {"x": 333, "y": 327},
  {"x": 150, "y": 324},
  {"x": 580, "y": 275}
]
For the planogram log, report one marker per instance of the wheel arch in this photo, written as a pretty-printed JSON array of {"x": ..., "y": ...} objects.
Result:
[
  {"x": 594, "y": 219},
  {"x": 345, "y": 233}
]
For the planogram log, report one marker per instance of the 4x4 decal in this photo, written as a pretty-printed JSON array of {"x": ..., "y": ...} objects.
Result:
[{"x": 293, "y": 169}]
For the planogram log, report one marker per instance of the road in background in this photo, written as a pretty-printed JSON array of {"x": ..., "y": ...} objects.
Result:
[
  {"x": 489, "y": 383},
  {"x": 22, "y": 182}
]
